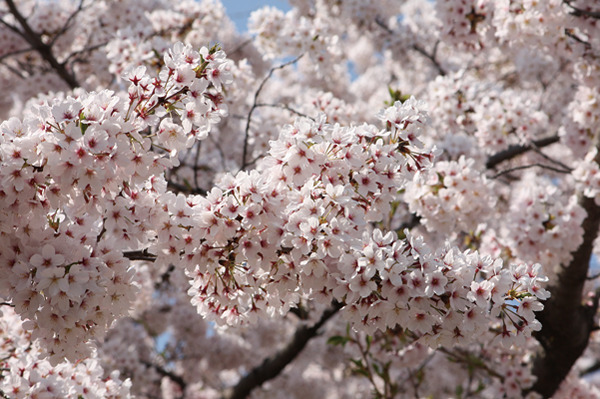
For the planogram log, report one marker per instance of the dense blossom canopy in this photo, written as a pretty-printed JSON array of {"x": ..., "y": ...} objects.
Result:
[{"x": 389, "y": 199}]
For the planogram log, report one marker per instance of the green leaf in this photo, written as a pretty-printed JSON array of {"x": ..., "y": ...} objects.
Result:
[
  {"x": 82, "y": 126},
  {"x": 377, "y": 369},
  {"x": 337, "y": 340},
  {"x": 459, "y": 391},
  {"x": 362, "y": 372},
  {"x": 369, "y": 340}
]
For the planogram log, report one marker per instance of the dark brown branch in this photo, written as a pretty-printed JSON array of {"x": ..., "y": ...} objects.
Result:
[
  {"x": 409, "y": 224},
  {"x": 515, "y": 150},
  {"x": 566, "y": 321},
  {"x": 16, "y": 52},
  {"x": 42, "y": 48},
  {"x": 431, "y": 57},
  {"x": 166, "y": 373},
  {"x": 77, "y": 53},
  {"x": 593, "y": 276},
  {"x": 140, "y": 255},
  {"x": 287, "y": 108},
  {"x": 180, "y": 188},
  {"x": 571, "y": 33},
  {"x": 550, "y": 159},
  {"x": 240, "y": 47},
  {"x": 272, "y": 366},
  {"x": 578, "y": 12},
  {"x": 255, "y": 105},
  {"x": 533, "y": 165},
  {"x": 14, "y": 70}
]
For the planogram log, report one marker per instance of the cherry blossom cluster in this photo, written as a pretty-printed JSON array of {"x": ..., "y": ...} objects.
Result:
[
  {"x": 282, "y": 34},
  {"x": 249, "y": 234},
  {"x": 587, "y": 175},
  {"x": 586, "y": 107},
  {"x": 29, "y": 377},
  {"x": 542, "y": 226},
  {"x": 445, "y": 297},
  {"x": 447, "y": 190},
  {"x": 574, "y": 387},
  {"x": 391, "y": 357},
  {"x": 508, "y": 119},
  {"x": 246, "y": 235},
  {"x": 80, "y": 184},
  {"x": 463, "y": 21},
  {"x": 576, "y": 138},
  {"x": 131, "y": 357},
  {"x": 544, "y": 24},
  {"x": 455, "y": 97}
]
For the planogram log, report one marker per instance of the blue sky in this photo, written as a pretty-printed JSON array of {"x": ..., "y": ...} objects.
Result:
[{"x": 239, "y": 10}]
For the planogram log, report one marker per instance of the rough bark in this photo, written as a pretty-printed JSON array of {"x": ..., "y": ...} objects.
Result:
[{"x": 566, "y": 321}]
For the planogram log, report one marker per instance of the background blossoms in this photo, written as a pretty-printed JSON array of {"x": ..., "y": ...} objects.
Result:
[{"x": 395, "y": 199}]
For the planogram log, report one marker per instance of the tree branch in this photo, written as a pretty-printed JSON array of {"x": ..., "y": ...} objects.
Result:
[
  {"x": 255, "y": 105},
  {"x": 287, "y": 108},
  {"x": 68, "y": 24},
  {"x": 417, "y": 48},
  {"x": 140, "y": 255},
  {"x": 181, "y": 188},
  {"x": 271, "y": 367},
  {"x": 430, "y": 57},
  {"x": 566, "y": 321},
  {"x": 42, "y": 48},
  {"x": 166, "y": 373},
  {"x": 515, "y": 150},
  {"x": 533, "y": 165},
  {"x": 578, "y": 12}
]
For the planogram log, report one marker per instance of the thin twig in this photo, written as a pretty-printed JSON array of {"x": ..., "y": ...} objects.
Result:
[
  {"x": 417, "y": 48},
  {"x": 220, "y": 150},
  {"x": 16, "y": 52},
  {"x": 550, "y": 159},
  {"x": 67, "y": 24},
  {"x": 570, "y": 33},
  {"x": 83, "y": 51},
  {"x": 254, "y": 160},
  {"x": 196, "y": 160},
  {"x": 463, "y": 356},
  {"x": 593, "y": 276},
  {"x": 578, "y": 12},
  {"x": 430, "y": 57},
  {"x": 241, "y": 46},
  {"x": 13, "y": 70},
  {"x": 509, "y": 170},
  {"x": 287, "y": 108},
  {"x": 254, "y": 106}
]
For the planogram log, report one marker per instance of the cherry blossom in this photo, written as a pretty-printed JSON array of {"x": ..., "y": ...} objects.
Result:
[{"x": 387, "y": 199}]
